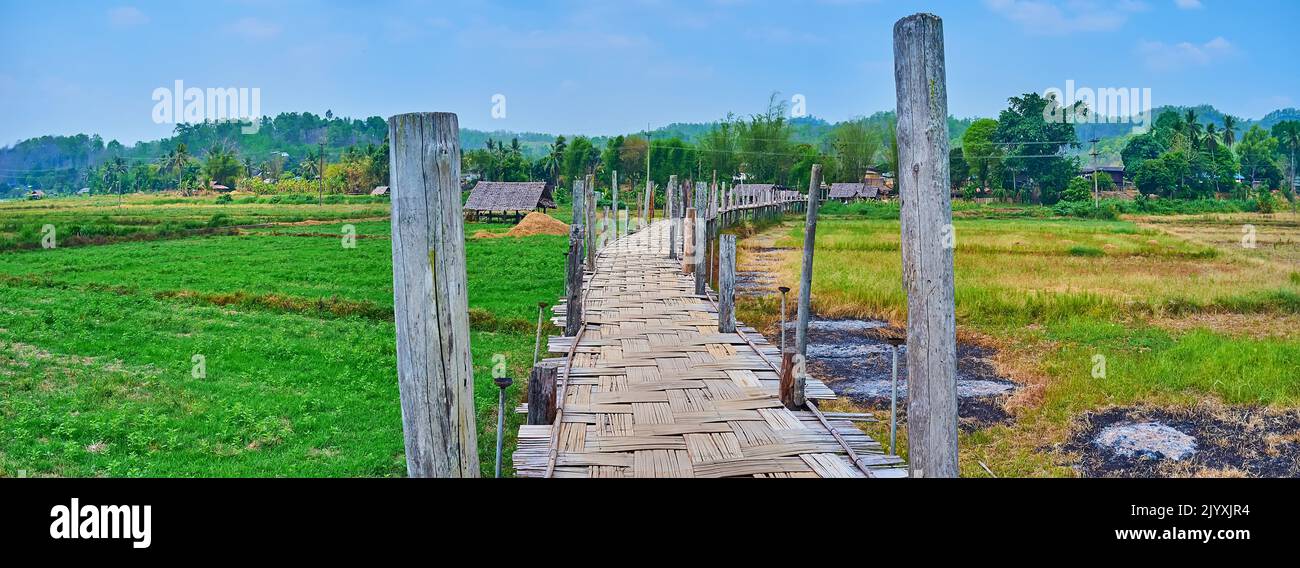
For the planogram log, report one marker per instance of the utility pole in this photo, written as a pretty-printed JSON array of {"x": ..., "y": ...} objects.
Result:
[{"x": 1096, "y": 195}]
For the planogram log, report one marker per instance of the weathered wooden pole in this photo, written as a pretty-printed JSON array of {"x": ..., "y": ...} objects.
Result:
[
  {"x": 700, "y": 241},
  {"x": 688, "y": 241},
  {"x": 669, "y": 197},
  {"x": 727, "y": 285},
  {"x": 435, "y": 374},
  {"x": 541, "y": 394},
  {"x": 614, "y": 199},
  {"x": 926, "y": 221},
  {"x": 792, "y": 382},
  {"x": 649, "y": 200},
  {"x": 805, "y": 279},
  {"x": 579, "y": 205},
  {"x": 589, "y": 226},
  {"x": 573, "y": 282}
]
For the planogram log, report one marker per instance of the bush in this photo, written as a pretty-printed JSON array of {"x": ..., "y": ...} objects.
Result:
[
  {"x": 1266, "y": 203},
  {"x": 866, "y": 209},
  {"x": 1108, "y": 210},
  {"x": 1080, "y": 190},
  {"x": 1084, "y": 250},
  {"x": 224, "y": 198},
  {"x": 218, "y": 220}
]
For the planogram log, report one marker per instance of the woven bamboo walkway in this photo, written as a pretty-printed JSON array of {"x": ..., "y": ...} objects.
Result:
[{"x": 654, "y": 390}]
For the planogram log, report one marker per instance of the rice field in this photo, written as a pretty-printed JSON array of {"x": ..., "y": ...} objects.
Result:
[
  {"x": 99, "y": 342},
  {"x": 1183, "y": 314}
]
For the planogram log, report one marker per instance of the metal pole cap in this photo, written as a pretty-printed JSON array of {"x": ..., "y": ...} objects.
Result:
[
  {"x": 784, "y": 289},
  {"x": 503, "y": 382}
]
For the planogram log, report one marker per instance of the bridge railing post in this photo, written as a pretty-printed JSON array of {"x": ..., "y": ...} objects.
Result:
[
  {"x": 573, "y": 282},
  {"x": 926, "y": 225},
  {"x": 727, "y": 285},
  {"x": 541, "y": 394},
  {"x": 435, "y": 373}
]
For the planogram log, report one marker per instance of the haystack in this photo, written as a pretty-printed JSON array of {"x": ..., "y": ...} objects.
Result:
[{"x": 535, "y": 223}]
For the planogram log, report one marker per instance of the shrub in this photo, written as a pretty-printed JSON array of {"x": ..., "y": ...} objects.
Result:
[{"x": 1085, "y": 250}]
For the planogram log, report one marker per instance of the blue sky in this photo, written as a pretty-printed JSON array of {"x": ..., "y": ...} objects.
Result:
[{"x": 600, "y": 67}]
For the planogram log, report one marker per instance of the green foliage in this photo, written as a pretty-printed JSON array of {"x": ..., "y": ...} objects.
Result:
[
  {"x": 1080, "y": 190},
  {"x": 856, "y": 147},
  {"x": 221, "y": 166},
  {"x": 982, "y": 155},
  {"x": 1141, "y": 148},
  {"x": 1085, "y": 250},
  {"x": 1266, "y": 203},
  {"x": 1257, "y": 150},
  {"x": 1034, "y": 146}
]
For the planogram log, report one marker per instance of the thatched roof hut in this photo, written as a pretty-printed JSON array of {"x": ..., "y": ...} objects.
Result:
[
  {"x": 853, "y": 191},
  {"x": 509, "y": 196}
]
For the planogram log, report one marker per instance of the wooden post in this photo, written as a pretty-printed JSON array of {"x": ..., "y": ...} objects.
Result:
[
  {"x": 926, "y": 232},
  {"x": 688, "y": 241},
  {"x": 579, "y": 205},
  {"x": 435, "y": 374},
  {"x": 793, "y": 381},
  {"x": 649, "y": 201},
  {"x": 701, "y": 236},
  {"x": 614, "y": 200},
  {"x": 573, "y": 282},
  {"x": 669, "y": 194},
  {"x": 541, "y": 394},
  {"x": 727, "y": 285},
  {"x": 589, "y": 225},
  {"x": 805, "y": 279}
]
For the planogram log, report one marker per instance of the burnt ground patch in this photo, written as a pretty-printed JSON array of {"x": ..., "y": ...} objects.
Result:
[
  {"x": 1230, "y": 441},
  {"x": 857, "y": 366},
  {"x": 759, "y": 281}
]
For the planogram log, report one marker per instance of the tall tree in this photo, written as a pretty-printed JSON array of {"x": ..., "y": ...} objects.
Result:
[
  {"x": 856, "y": 147},
  {"x": 1229, "y": 130},
  {"x": 1288, "y": 137},
  {"x": 1036, "y": 146},
  {"x": 983, "y": 156}
]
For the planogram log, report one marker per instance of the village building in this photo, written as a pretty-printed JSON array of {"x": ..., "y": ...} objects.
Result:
[{"x": 508, "y": 199}]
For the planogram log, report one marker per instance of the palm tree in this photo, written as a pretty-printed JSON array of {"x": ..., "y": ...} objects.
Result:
[
  {"x": 1229, "y": 130},
  {"x": 308, "y": 167},
  {"x": 176, "y": 161},
  {"x": 1212, "y": 135},
  {"x": 1193, "y": 128},
  {"x": 551, "y": 162},
  {"x": 114, "y": 170}
]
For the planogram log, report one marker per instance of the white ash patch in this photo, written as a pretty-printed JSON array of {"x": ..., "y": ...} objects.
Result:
[
  {"x": 1149, "y": 440},
  {"x": 823, "y": 351},
  {"x": 847, "y": 325},
  {"x": 966, "y": 388}
]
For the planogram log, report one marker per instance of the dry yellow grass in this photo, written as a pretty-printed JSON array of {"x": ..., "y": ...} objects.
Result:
[{"x": 1183, "y": 319}]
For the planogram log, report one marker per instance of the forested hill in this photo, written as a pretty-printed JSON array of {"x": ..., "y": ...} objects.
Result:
[{"x": 64, "y": 163}]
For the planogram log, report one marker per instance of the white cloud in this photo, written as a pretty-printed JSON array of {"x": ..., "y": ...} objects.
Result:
[
  {"x": 1056, "y": 17},
  {"x": 1162, "y": 56},
  {"x": 126, "y": 16},
  {"x": 1188, "y": 4},
  {"x": 254, "y": 28}
]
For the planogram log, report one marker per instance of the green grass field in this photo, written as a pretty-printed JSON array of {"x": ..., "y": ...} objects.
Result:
[{"x": 98, "y": 341}]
